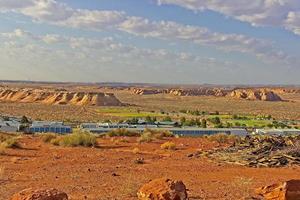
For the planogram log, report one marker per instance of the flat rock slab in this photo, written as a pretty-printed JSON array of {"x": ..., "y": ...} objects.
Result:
[{"x": 42, "y": 194}]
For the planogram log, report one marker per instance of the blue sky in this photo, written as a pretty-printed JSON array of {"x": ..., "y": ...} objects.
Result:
[{"x": 153, "y": 41}]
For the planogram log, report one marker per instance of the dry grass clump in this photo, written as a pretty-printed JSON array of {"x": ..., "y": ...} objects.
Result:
[
  {"x": 224, "y": 138},
  {"x": 8, "y": 141},
  {"x": 2, "y": 170},
  {"x": 2, "y": 150},
  {"x": 122, "y": 132},
  {"x": 168, "y": 146},
  {"x": 75, "y": 139},
  {"x": 150, "y": 135},
  {"x": 47, "y": 137}
]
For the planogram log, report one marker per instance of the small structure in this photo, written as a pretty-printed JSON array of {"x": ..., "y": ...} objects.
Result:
[
  {"x": 49, "y": 127},
  {"x": 10, "y": 126}
]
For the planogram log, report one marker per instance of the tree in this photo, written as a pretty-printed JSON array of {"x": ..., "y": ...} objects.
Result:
[
  {"x": 203, "y": 123},
  {"x": 167, "y": 119},
  {"x": 25, "y": 120},
  {"x": 182, "y": 120}
]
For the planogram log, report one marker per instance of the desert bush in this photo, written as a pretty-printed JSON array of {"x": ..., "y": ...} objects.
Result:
[
  {"x": 168, "y": 146},
  {"x": 75, "y": 139},
  {"x": 146, "y": 137},
  {"x": 224, "y": 138},
  {"x": 149, "y": 135},
  {"x": 78, "y": 139},
  {"x": 11, "y": 143},
  {"x": 48, "y": 137},
  {"x": 2, "y": 150},
  {"x": 122, "y": 132},
  {"x": 2, "y": 170}
]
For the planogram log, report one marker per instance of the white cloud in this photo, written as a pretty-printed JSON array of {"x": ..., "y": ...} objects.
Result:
[
  {"x": 54, "y": 12},
  {"x": 256, "y": 12},
  {"x": 100, "y": 60}
]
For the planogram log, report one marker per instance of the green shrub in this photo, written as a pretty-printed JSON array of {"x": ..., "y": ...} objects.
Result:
[{"x": 168, "y": 146}]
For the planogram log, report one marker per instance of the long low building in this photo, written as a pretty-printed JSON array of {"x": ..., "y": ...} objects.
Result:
[
  {"x": 49, "y": 127},
  {"x": 176, "y": 131}
]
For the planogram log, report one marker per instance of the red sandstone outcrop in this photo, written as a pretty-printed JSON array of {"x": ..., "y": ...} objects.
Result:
[
  {"x": 163, "y": 189},
  {"x": 289, "y": 190},
  {"x": 252, "y": 94}
]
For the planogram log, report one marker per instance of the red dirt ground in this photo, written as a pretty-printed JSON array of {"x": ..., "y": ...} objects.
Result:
[{"x": 109, "y": 172}]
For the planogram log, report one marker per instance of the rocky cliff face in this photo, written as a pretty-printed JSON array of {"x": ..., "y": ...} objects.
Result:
[
  {"x": 250, "y": 94},
  {"x": 259, "y": 94},
  {"x": 58, "y": 98},
  {"x": 198, "y": 92}
]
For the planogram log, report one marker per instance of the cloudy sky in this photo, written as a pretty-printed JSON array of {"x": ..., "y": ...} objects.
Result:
[{"x": 151, "y": 41}]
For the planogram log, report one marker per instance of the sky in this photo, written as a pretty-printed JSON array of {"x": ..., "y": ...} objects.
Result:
[{"x": 151, "y": 41}]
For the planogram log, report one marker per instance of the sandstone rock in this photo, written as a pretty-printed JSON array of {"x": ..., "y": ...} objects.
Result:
[
  {"x": 59, "y": 97},
  {"x": 163, "y": 189},
  {"x": 253, "y": 94},
  {"x": 47, "y": 194},
  {"x": 289, "y": 190}
]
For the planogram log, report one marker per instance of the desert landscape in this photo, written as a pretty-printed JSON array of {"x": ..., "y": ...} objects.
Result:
[
  {"x": 149, "y": 100},
  {"x": 117, "y": 165}
]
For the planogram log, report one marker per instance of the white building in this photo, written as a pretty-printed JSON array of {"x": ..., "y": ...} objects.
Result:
[{"x": 10, "y": 126}]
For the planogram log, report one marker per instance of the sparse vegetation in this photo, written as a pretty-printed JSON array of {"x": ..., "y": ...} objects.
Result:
[
  {"x": 2, "y": 170},
  {"x": 122, "y": 132},
  {"x": 224, "y": 138},
  {"x": 73, "y": 140},
  {"x": 168, "y": 146},
  {"x": 149, "y": 135},
  {"x": 8, "y": 141},
  {"x": 47, "y": 137}
]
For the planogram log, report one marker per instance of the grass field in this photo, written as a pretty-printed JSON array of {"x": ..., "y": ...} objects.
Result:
[{"x": 127, "y": 112}]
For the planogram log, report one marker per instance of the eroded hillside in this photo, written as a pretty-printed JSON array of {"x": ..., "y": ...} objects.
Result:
[{"x": 58, "y": 97}]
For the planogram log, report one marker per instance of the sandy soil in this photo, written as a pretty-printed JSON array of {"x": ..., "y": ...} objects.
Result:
[{"x": 109, "y": 172}]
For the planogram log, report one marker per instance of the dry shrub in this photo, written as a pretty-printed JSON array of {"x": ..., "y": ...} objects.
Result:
[
  {"x": 2, "y": 150},
  {"x": 122, "y": 132},
  {"x": 146, "y": 137},
  {"x": 48, "y": 137},
  {"x": 224, "y": 138},
  {"x": 168, "y": 146},
  {"x": 11, "y": 143},
  {"x": 75, "y": 139},
  {"x": 2, "y": 171},
  {"x": 150, "y": 135}
]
